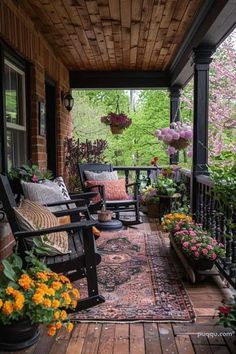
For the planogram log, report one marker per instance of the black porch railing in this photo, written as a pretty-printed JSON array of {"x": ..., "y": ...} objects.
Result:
[
  {"x": 215, "y": 217},
  {"x": 219, "y": 219}
]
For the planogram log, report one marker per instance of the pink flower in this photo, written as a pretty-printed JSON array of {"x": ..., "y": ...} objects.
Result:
[
  {"x": 176, "y": 136},
  {"x": 193, "y": 240},
  {"x": 34, "y": 178},
  {"x": 209, "y": 247},
  {"x": 171, "y": 150},
  {"x": 190, "y": 153},
  {"x": 185, "y": 244},
  {"x": 193, "y": 248},
  {"x": 198, "y": 244},
  {"x": 205, "y": 251},
  {"x": 196, "y": 254},
  {"x": 192, "y": 233},
  {"x": 213, "y": 256},
  {"x": 188, "y": 134},
  {"x": 221, "y": 245}
]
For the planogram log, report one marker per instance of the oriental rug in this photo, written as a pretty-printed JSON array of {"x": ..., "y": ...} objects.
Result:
[{"x": 139, "y": 281}]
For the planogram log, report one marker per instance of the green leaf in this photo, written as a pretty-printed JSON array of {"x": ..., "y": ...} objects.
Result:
[{"x": 10, "y": 274}]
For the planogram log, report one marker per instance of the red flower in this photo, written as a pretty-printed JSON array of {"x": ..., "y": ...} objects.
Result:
[
  {"x": 225, "y": 309},
  {"x": 34, "y": 178}
]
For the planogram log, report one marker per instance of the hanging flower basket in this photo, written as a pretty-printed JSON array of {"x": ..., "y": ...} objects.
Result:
[
  {"x": 117, "y": 121},
  {"x": 178, "y": 137},
  {"x": 116, "y": 130}
]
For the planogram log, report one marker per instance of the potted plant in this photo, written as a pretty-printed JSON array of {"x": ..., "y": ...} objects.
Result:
[
  {"x": 199, "y": 247},
  {"x": 30, "y": 296},
  {"x": 173, "y": 222},
  {"x": 227, "y": 314},
  {"x": 150, "y": 199},
  {"x": 178, "y": 137},
  {"x": 117, "y": 121}
]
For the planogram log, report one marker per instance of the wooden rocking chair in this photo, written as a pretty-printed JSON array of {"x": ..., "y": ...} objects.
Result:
[{"x": 79, "y": 263}]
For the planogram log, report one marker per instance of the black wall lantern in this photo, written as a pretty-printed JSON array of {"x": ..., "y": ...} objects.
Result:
[{"x": 68, "y": 101}]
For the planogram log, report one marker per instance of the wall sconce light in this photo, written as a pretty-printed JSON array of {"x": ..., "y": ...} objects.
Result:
[{"x": 68, "y": 100}]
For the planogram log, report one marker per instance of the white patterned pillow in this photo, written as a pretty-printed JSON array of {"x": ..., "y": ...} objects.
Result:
[
  {"x": 102, "y": 176},
  {"x": 43, "y": 193},
  {"x": 34, "y": 216}
]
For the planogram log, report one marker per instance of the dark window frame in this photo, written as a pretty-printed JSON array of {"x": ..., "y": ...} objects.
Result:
[{"x": 9, "y": 54}]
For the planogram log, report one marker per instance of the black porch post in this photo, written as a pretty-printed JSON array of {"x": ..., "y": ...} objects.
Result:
[
  {"x": 174, "y": 114},
  {"x": 201, "y": 59}
]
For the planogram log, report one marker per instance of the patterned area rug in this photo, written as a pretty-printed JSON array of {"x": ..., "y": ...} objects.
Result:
[{"x": 139, "y": 281}]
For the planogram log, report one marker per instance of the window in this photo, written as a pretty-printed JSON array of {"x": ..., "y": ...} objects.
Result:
[{"x": 15, "y": 114}]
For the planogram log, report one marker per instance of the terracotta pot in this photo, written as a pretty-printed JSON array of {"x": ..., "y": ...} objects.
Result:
[
  {"x": 153, "y": 210},
  {"x": 19, "y": 335},
  {"x": 116, "y": 130}
]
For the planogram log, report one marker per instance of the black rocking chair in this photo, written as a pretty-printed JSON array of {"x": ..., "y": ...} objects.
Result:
[
  {"x": 79, "y": 263},
  {"x": 117, "y": 206}
]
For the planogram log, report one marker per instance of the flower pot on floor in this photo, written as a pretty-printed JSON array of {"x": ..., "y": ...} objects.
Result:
[
  {"x": 18, "y": 335},
  {"x": 153, "y": 210},
  {"x": 105, "y": 215}
]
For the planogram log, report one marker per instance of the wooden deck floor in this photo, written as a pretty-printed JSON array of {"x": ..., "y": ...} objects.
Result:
[{"x": 204, "y": 336}]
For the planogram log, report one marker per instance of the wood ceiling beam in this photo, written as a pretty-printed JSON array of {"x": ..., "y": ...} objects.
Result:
[{"x": 118, "y": 79}]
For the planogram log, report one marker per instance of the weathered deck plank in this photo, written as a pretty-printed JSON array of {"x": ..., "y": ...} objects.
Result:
[{"x": 149, "y": 338}]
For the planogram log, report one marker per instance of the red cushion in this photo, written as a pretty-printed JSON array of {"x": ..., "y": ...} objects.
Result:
[{"x": 114, "y": 190}]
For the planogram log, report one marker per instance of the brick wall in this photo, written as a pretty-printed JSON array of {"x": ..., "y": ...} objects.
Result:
[{"x": 21, "y": 34}]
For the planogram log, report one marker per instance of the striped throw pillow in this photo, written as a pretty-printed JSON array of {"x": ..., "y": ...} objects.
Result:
[{"x": 34, "y": 216}]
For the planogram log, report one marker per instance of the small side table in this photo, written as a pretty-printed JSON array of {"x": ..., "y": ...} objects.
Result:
[{"x": 113, "y": 224}]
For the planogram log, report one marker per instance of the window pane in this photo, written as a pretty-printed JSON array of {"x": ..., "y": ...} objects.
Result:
[
  {"x": 10, "y": 150},
  {"x": 16, "y": 148},
  {"x": 14, "y": 94}
]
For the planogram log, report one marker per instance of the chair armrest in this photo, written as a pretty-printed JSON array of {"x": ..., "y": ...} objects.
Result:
[
  {"x": 136, "y": 188},
  {"x": 101, "y": 189},
  {"x": 72, "y": 211},
  {"x": 65, "y": 202},
  {"x": 65, "y": 227},
  {"x": 88, "y": 195}
]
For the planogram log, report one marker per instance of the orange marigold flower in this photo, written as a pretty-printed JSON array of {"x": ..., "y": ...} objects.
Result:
[
  {"x": 47, "y": 302},
  {"x": 1, "y": 303},
  {"x": 76, "y": 294},
  {"x": 69, "y": 327},
  {"x": 58, "y": 325},
  {"x": 10, "y": 291},
  {"x": 66, "y": 298},
  {"x": 25, "y": 282},
  {"x": 51, "y": 330},
  {"x": 19, "y": 300},
  {"x": 42, "y": 286},
  {"x": 42, "y": 276},
  {"x": 37, "y": 298},
  {"x": 50, "y": 292},
  {"x": 74, "y": 304},
  {"x": 63, "y": 315},
  {"x": 64, "y": 279},
  {"x": 56, "y": 285},
  {"x": 56, "y": 315},
  {"x": 7, "y": 308},
  {"x": 55, "y": 303}
]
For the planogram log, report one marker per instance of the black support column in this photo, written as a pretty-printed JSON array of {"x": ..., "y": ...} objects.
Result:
[
  {"x": 201, "y": 61},
  {"x": 174, "y": 114}
]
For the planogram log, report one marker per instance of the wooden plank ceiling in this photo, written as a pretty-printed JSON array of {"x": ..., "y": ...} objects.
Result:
[{"x": 114, "y": 34}]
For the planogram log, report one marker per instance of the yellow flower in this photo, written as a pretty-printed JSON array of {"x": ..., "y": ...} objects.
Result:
[
  {"x": 63, "y": 315},
  {"x": 43, "y": 287},
  {"x": 7, "y": 308},
  {"x": 55, "y": 304},
  {"x": 51, "y": 330},
  {"x": 56, "y": 285},
  {"x": 25, "y": 282},
  {"x": 69, "y": 327},
  {"x": 1, "y": 303},
  {"x": 47, "y": 302},
  {"x": 19, "y": 300}
]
